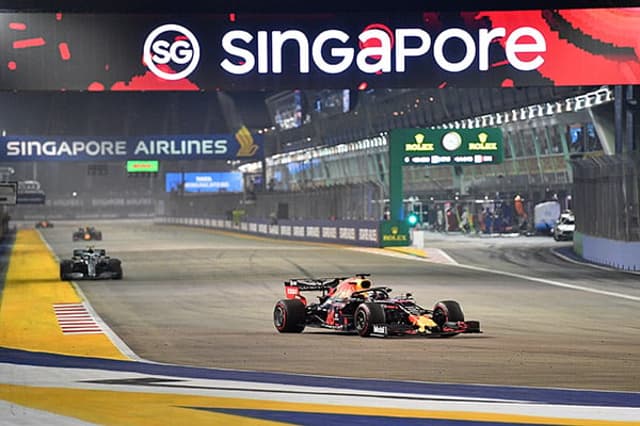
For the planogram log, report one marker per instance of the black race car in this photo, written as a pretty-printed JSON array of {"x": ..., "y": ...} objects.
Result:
[
  {"x": 44, "y": 224},
  {"x": 90, "y": 264},
  {"x": 88, "y": 233},
  {"x": 352, "y": 304}
]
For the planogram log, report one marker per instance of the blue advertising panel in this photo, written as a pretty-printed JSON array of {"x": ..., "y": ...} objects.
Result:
[
  {"x": 242, "y": 145},
  {"x": 204, "y": 182}
]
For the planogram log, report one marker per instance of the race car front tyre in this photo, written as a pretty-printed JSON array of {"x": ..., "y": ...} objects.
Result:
[
  {"x": 366, "y": 315},
  {"x": 289, "y": 316},
  {"x": 66, "y": 269},
  {"x": 116, "y": 269},
  {"x": 447, "y": 311}
]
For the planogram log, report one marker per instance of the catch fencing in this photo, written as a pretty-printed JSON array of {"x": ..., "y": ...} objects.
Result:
[
  {"x": 345, "y": 202},
  {"x": 607, "y": 196}
]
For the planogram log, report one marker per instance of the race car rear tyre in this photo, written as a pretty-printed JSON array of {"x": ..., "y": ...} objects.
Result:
[
  {"x": 366, "y": 315},
  {"x": 447, "y": 311},
  {"x": 289, "y": 316},
  {"x": 116, "y": 269}
]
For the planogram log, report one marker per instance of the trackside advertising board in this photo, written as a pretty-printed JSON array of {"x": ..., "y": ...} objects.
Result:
[
  {"x": 66, "y": 51},
  {"x": 457, "y": 147},
  {"x": 143, "y": 166},
  {"x": 204, "y": 182},
  {"x": 242, "y": 145}
]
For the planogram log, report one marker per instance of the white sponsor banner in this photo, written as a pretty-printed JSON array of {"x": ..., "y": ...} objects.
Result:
[
  {"x": 329, "y": 232},
  {"x": 70, "y": 202},
  {"x": 285, "y": 230},
  {"x": 345, "y": 233},
  {"x": 313, "y": 231},
  {"x": 105, "y": 202},
  {"x": 368, "y": 234}
]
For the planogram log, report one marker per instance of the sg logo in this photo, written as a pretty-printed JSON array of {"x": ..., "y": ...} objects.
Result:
[{"x": 178, "y": 46}]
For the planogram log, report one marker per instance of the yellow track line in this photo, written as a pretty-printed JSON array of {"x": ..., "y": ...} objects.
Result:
[
  {"x": 32, "y": 286},
  {"x": 144, "y": 409}
]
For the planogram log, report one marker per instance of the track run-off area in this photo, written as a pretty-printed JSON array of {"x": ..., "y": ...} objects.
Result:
[{"x": 187, "y": 335}]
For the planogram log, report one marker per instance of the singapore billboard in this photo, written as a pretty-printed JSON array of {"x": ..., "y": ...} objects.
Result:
[{"x": 55, "y": 51}]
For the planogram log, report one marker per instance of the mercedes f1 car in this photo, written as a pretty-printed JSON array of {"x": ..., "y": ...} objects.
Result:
[
  {"x": 90, "y": 264},
  {"x": 352, "y": 304},
  {"x": 87, "y": 234}
]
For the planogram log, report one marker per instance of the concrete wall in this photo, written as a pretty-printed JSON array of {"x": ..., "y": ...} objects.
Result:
[
  {"x": 348, "y": 232},
  {"x": 617, "y": 254}
]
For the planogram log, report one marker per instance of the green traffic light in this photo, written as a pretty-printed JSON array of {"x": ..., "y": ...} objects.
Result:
[{"x": 412, "y": 219}]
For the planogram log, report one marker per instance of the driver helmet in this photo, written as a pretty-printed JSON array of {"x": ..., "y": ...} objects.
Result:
[{"x": 362, "y": 284}]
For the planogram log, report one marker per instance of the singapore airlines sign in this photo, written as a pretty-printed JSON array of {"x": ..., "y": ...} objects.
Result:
[{"x": 241, "y": 145}]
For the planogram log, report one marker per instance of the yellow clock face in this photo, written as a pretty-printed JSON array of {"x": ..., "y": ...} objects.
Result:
[{"x": 451, "y": 141}]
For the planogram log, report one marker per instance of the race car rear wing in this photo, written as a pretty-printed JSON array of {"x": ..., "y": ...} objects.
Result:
[
  {"x": 314, "y": 284},
  {"x": 306, "y": 284},
  {"x": 294, "y": 286}
]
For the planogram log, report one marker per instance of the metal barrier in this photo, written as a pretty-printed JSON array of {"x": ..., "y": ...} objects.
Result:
[{"x": 607, "y": 196}]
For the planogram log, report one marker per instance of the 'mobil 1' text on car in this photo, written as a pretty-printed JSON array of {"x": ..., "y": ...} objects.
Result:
[{"x": 352, "y": 304}]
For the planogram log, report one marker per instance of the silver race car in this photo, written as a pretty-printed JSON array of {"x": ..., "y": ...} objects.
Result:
[{"x": 91, "y": 264}]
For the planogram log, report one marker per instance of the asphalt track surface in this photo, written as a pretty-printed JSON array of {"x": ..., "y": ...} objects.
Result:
[{"x": 205, "y": 298}]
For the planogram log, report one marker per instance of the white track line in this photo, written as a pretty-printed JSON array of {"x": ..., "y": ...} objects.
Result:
[
  {"x": 115, "y": 339},
  {"x": 508, "y": 274}
]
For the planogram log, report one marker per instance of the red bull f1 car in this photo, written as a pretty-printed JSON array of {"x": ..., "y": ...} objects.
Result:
[
  {"x": 87, "y": 234},
  {"x": 353, "y": 304}
]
